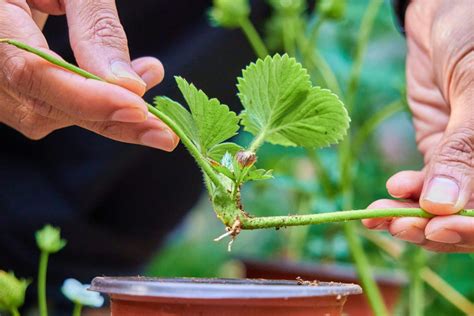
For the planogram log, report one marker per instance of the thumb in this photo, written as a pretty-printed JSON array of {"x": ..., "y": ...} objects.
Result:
[
  {"x": 449, "y": 180},
  {"x": 99, "y": 42}
]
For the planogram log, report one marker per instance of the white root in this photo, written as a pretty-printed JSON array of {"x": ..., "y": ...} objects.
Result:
[{"x": 232, "y": 232}]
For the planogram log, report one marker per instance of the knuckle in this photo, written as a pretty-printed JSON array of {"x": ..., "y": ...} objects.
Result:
[
  {"x": 19, "y": 75},
  {"x": 106, "y": 29},
  {"x": 462, "y": 77},
  {"x": 459, "y": 147},
  {"x": 30, "y": 123},
  {"x": 109, "y": 129}
]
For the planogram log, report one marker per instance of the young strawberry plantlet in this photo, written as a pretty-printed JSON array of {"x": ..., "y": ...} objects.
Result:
[{"x": 280, "y": 107}]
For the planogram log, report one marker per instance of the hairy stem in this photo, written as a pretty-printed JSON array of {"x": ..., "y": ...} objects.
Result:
[
  {"x": 200, "y": 160},
  {"x": 333, "y": 217},
  {"x": 254, "y": 38},
  {"x": 42, "y": 270},
  {"x": 77, "y": 309}
]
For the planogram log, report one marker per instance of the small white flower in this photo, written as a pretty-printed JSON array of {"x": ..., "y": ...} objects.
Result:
[
  {"x": 77, "y": 292},
  {"x": 227, "y": 161}
]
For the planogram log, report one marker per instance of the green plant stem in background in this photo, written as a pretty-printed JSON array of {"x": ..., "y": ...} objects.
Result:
[
  {"x": 14, "y": 312},
  {"x": 347, "y": 170},
  {"x": 447, "y": 291},
  {"x": 321, "y": 172},
  {"x": 314, "y": 32},
  {"x": 254, "y": 38},
  {"x": 77, "y": 309},
  {"x": 364, "y": 272},
  {"x": 42, "y": 271},
  {"x": 416, "y": 290},
  {"x": 444, "y": 289},
  {"x": 361, "y": 46},
  {"x": 373, "y": 122}
]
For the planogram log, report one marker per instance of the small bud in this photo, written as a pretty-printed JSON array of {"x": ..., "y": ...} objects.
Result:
[
  {"x": 49, "y": 239},
  {"x": 245, "y": 158},
  {"x": 288, "y": 6},
  {"x": 229, "y": 13},
  {"x": 332, "y": 9},
  {"x": 12, "y": 291}
]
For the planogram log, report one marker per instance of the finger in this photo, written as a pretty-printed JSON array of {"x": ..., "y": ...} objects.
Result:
[
  {"x": 100, "y": 44},
  {"x": 452, "y": 229},
  {"x": 47, "y": 6},
  {"x": 449, "y": 180},
  {"x": 22, "y": 115},
  {"x": 383, "y": 223},
  {"x": 406, "y": 185},
  {"x": 76, "y": 96},
  {"x": 150, "y": 70},
  {"x": 39, "y": 18},
  {"x": 152, "y": 133},
  {"x": 411, "y": 229}
]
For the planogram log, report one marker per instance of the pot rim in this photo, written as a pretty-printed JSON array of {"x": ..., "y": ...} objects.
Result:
[{"x": 199, "y": 288}]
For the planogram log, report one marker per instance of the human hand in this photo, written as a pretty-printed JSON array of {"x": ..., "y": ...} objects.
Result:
[
  {"x": 37, "y": 97},
  {"x": 440, "y": 78}
]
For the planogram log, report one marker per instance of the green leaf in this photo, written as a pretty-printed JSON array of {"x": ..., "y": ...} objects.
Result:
[
  {"x": 214, "y": 121},
  {"x": 179, "y": 115},
  {"x": 283, "y": 108},
  {"x": 218, "y": 151},
  {"x": 258, "y": 174},
  {"x": 209, "y": 122}
]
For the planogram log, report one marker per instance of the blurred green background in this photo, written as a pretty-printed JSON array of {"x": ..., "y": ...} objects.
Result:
[{"x": 191, "y": 251}]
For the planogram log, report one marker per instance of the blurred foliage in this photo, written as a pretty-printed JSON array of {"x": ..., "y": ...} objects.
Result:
[{"x": 190, "y": 251}]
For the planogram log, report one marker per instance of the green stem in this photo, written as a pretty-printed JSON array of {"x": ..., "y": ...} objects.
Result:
[
  {"x": 42, "y": 270},
  {"x": 52, "y": 59},
  {"x": 314, "y": 32},
  {"x": 14, "y": 311},
  {"x": 201, "y": 161},
  {"x": 333, "y": 217},
  {"x": 447, "y": 291},
  {"x": 254, "y": 38},
  {"x": 362, "y": 266},
  {"x": 373, "y": 122},
  {"x": 257, "y": 142},
  {"x": 288, "y": 35},
  {"x": 416, "y": 287},
  {"x": 361, "y": 46},
  {"x": 77, "y": 309},
  {"x": 321, "y": 171}
]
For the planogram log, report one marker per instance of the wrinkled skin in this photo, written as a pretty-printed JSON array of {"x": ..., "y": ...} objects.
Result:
[
  {"x": 440, "y": 78},
  {"x": 37, "y": 98}
]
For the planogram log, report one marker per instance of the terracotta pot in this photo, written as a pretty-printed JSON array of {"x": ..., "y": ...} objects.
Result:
[
  {"x": 390, "y": 282},
  {"x": 222, "y": 297}
]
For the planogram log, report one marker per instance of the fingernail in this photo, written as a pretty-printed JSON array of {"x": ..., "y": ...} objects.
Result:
[
  {"x": 442, "y": 191},
  {"x": 160, "y": 139},
  {"x": 412, "y": 234},
  {"x": 122, "y": 70},
  {"x": 129, "y": 115},
  {"x": 445, "y": 236}
]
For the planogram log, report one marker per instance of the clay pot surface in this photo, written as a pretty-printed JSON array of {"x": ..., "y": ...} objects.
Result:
[
  {"x": 222, "y": 297},
  {"x": 390, "y": 282}
]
